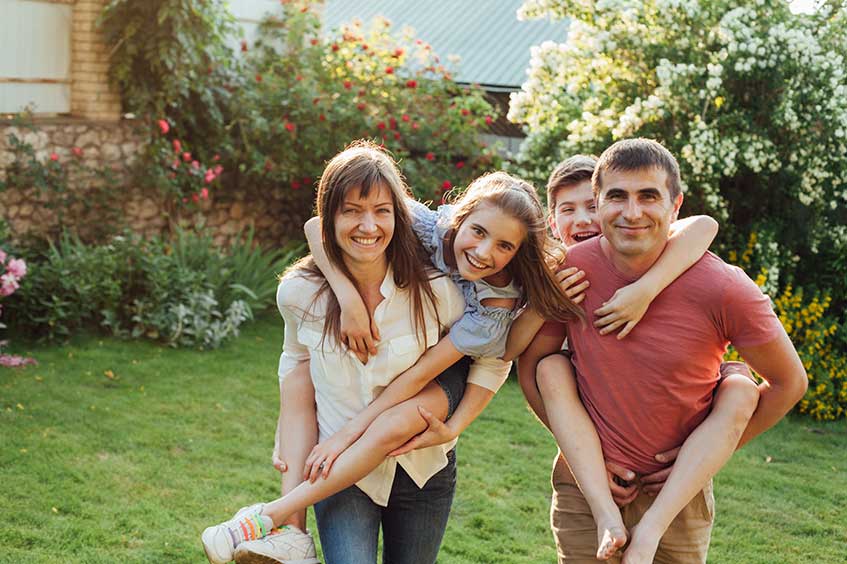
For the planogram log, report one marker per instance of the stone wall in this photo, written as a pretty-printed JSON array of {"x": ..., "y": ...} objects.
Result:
[{"x": 117, "y": 144}]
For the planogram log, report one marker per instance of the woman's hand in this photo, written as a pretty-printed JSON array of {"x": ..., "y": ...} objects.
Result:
[
  {"x": 437, "y": 433},
  {"x": 625, "y": 309},
  {"x": 572, "y": 283},
  {"x": 278, "y": 463},
  {"x": 358, "y": 330},
  {"x": 320, "y": 460}
]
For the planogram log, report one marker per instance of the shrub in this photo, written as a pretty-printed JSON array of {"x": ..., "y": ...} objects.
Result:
[
  {"x": 751, "y": 98},
  {"x": 12, "y": 270}
]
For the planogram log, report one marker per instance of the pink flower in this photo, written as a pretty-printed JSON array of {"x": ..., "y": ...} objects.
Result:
[
  {"x": 17, "y": 268},
  {"x": 204, "y": 194},
  {"x": 290, "y": 126},
  {"x": 2, "y": 256},
  {"x": 209, "y": 177},
  {"x": 195, "y": 198},
  {"x": 54, "y": 157},
  {"x": 186, "y": 156},
  {"x": 489, "y": 120},
  {"x": 195, "y": 165},
  {"x": 415, "y": 125},
  {"x": 216, "y": 158},
  {"x": 177, "y": 146},
  {"x": 398, "y": 53},
  {"x": 164, "y": 126},
  {"x": 405, "y": 117},
  {"x": 77, "y": 151},
  {"x": 8, "y": 284},
  {"x": 218, "y": 170}
]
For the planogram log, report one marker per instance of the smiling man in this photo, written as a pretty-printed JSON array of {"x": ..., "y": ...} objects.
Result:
[{"x": 647, "y": 393}]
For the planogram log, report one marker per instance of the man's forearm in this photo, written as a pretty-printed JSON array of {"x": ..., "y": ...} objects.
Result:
[{"x": 775, "y": 401}]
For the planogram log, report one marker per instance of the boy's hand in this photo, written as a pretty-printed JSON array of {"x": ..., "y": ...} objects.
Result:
[
  {"x": 437, "y": 433},
  {"x": 625, "y": 309},
  {"x": 572, "y": 283},
  {"x": 652, "y": 484},
  {"x": 358, "y": 330},
  {"x": 621, "y": 483}
]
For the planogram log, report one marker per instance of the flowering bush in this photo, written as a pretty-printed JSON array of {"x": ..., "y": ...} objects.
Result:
[
  {"x": 815, "y": 334},
  {"x": 11, "y": 271},
  {"x": 751, "y": 98},
  {"x": 306, "y": 95}
]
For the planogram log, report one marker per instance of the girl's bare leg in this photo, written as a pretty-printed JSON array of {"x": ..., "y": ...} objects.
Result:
[
  {"x": 388, "y": 431},
  {"x": 297, "y": 432},
  {"x": 706, "y": 450},
  {"x": 577, "y": 437}
]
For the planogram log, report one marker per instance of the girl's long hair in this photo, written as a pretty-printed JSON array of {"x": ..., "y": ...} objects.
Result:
[
  {"x": 530, "y": 268},
  {"x": 366, "y": 166}
]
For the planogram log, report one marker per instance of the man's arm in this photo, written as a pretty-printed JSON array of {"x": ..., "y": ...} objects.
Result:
[
  {"x": 547, "y": 341},
  {"x": 785, "y": 382}
]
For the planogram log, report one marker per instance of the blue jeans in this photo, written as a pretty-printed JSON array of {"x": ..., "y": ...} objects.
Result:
[{"x": 413, "y": 523}]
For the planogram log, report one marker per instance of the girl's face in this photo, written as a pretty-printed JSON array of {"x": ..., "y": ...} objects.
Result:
[
  {"x": 575, "y": 214},
  {"x": 486, "y": 241},
  {"x": 364, "y": 226}
]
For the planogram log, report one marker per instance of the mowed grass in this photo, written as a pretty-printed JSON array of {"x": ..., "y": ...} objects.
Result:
[{"x": 118, "y": 451}]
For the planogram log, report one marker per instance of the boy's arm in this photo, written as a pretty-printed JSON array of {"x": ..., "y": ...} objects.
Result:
[
  {"x": 357, "y": 327},
  {"x": 690, "y": 239}
]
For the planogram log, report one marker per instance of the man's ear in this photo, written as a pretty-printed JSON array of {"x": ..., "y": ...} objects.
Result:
[{"x": 676, "y": 205}]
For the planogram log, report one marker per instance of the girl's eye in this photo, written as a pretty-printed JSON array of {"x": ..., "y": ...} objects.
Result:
[
  {"x": 477, "y": 230},
  {"x": 506, "y": 247},
  {"x": 566, "y": 210}
]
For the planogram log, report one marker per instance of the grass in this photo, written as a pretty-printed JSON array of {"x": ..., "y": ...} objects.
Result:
[{"x": 117, "y": 451}]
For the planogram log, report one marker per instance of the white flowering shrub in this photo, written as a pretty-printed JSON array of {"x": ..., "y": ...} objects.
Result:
[{"x": 751, "y": 99}]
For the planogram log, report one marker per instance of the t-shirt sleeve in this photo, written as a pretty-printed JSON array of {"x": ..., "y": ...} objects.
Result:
[
  {"x": 482, "y": 332},
  {"x": 747, "y": 316}
]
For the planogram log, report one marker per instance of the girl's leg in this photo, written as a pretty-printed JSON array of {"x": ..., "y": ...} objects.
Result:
[
  {"x": 388, "y": 431},
  {"x": 577, "y": 437},
  {"x": 703, "y": 453},
  {"x": 297, "y": 432}
]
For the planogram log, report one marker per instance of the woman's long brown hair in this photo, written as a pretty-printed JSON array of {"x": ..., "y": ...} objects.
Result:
[
  {"x": 368, "y": 167},
  {"x": 530, "y": 266}
]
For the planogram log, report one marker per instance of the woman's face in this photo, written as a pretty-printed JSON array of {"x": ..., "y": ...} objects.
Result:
[{"x": 364, "y": 226}]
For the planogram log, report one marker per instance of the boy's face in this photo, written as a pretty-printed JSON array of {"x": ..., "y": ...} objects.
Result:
[{"x": 574, "y": 217}]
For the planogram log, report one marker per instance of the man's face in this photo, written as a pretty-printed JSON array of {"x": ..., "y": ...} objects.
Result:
[
  {"x": 635, "y": 210},
  {"x": 574, "y": 216}
]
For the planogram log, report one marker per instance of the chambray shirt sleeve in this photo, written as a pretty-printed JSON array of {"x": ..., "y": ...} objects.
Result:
[
  {"x": 482, "y": 331},
  {"x": 423, "y": 224},
  {"x": 293, "y": 352}
]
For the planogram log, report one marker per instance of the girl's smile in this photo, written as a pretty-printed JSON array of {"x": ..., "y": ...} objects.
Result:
[{"x": 486, "y": 242}]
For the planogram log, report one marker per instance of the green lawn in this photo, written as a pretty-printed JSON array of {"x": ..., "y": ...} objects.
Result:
[{"x": 131, "y": 468}]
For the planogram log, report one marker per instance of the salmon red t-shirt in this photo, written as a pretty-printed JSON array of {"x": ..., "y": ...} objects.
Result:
[{"x": 647, "y": 392}]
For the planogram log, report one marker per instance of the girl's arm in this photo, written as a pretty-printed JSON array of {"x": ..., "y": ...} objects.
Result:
[
  {"x": 357, "y": 327},
  {"x": 690, "y": 239}
]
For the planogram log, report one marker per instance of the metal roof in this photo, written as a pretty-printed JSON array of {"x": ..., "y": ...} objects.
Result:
[{"x": 492, "y": 44}]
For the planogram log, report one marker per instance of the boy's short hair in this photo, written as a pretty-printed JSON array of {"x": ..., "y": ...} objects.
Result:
[
  {"x": 638, "y": 154},
  {"x": 573, "y": 170}
]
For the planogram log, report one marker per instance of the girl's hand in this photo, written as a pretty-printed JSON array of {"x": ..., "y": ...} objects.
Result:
[
  {"x": 278, "y": 463},
  {"x": 625, "y": 309},
  {"x": 358, "y": 330},
  {"x": 320, "y": 460},
  {"x": 572, "y": 283},
  {"x": 437, "y": 433}
]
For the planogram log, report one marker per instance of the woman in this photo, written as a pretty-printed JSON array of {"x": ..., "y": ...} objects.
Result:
[{"x": 368, "y": 235}]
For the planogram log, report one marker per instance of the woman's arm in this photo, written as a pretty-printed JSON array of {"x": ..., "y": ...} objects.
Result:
[
  {"x": 358, "y": 330},
  {"x": 690, "y": 239}
]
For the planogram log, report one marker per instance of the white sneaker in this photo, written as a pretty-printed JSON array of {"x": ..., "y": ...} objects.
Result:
[
  {"x": 220, "y": 541},
  {"x": 288, "y": 545}
]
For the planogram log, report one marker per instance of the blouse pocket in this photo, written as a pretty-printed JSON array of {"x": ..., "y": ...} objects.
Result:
[
  {"x": 404, "y": 353},
  {"x": 331, "y": 362}
]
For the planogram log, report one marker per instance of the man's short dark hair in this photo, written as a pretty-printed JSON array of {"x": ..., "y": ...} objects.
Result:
[
  {"x": 569, "y": 172},
  {"x": 638, "y": 154}
]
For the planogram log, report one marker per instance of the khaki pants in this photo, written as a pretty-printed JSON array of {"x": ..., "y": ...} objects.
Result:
[{"x": 685, "y": 542}]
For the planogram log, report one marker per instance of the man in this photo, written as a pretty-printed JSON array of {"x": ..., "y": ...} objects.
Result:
[{"x": 647, "y": 393}]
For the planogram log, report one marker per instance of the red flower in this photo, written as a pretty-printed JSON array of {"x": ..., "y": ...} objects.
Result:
[
  {"x": 298, "y": 78},
  {"x": 322, "y": 117},
  {"x": 361, "y": 106},
  {"x": 460, "y": 164},
  {"x": 77, "y": 151},
  {"x": 348, "y": 85},
  {"x": 54, "y": 157},
  {"x": 489, "y": 120},
  {"x": 218, "y": 170},
  {"x": 209, "y": 176},
  {"x": 430, "y": 156},
  {"x": 316, "y": 101},
  {"x": 216, "y": 158},
  {"x": 307, "y": 180},
  {"x": 446, "y": 185},
  {"x": 258, "y": 77},
  {"x": 295, "y": 184},
  {"x": 290, "y": 126},
  {"x": 204, "y": 193},
  {"x": 380, "y": 125},
  {"x": 177, "y": 146},
  {"x": 164, "y": 126},
  {"x": 389, "y": 70},
  {"x": 397, "y": 135},
  {"x": 364, "y": 46},
  {"x": 335, "y": 47},
  {"x": 411, "y": 84},
  {"x": 392, "y": 123},
  {"x": 415, "y": 125},
  {"x": 398, "y": 53},
  {"x": 362, "y": 92},
  {"x": 186, "y": 156},
  {"x": 195, "y": 165},
  {"x": 313, "y": 41},
  {"x": 465, "y": 111},
  {"x": 405, "y": 117},
  {"x": 243, "y": 46},
  {"x": 195, "y": 198}
]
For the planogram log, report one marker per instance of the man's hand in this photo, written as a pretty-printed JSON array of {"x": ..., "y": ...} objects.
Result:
[
  {"x": 437, "y": 433},
  {"x": 622, "y": 495},
  {"x": 652, "y": 484}
]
